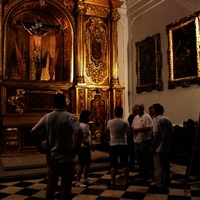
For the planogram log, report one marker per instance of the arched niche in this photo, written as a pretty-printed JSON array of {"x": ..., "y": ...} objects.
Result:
[{"x": 38, "y": 42}]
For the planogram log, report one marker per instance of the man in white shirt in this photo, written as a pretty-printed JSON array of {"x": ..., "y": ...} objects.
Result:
[
  {"x": 161, "y": 145},
  {"x": 142, "y": 127},
  {"x": 117, "y": 128},
  {"x": 63, "y": 139}
]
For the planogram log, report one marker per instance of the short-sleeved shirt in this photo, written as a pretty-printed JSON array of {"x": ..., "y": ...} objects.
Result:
[
  {"x": 141, "y": 122},
  {"x": 86, "y": 133},
  {"x": 163, "y": 126},
  {"x": 59, "y": 127},
  {"x": 118, "y": 131}
]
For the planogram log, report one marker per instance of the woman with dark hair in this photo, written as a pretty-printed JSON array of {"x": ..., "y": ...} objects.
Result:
[{"x": 84, "y": 155}]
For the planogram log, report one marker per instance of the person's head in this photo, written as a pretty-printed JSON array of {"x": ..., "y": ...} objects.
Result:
[
  {"x": 151, "y": 111},
  {"x": 59, "y": 101},
  {"x": 134, "y": 109},
  {"x": 140, "y": 109},
  {"x": 85, "y": 116},
  {"x": 118, "y": 111},
  {"x": 158, "y": 108}
]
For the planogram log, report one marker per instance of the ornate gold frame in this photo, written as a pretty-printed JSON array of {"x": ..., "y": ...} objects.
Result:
[
  {"x": 149, "y": 64},
  {"x": 183, "y": 52}
]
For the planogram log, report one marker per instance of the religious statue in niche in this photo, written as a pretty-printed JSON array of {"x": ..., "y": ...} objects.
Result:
[
  {"x": 96, "y": 45},
  {"x": 42, "y": 50},
  {"x": 98, "y": 118},
  {"x": 37, "y": 31}
]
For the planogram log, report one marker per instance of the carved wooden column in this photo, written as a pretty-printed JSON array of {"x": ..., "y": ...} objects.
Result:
[
  {"x": 114, "y": 44},
  {"x": 79, "y": 77}
]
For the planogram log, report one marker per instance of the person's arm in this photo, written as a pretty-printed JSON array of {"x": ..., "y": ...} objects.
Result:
[
  {"x": 78, "y": 140},
  {"x": 148, "y": 126},
  {"x": 143, "y": 129},
  {"x": 37, "y": 140},
  {"x": 155, "y": 133}
]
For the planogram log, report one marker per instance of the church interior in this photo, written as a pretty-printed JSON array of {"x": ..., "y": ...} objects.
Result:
[{"x": 100, "y": 54}]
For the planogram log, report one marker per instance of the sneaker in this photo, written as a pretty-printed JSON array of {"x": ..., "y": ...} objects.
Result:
[
  {"x": 79, "y": 184},
  {"x": 86, "y": 181}
]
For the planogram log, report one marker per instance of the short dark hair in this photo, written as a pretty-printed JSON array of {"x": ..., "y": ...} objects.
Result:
[
  {"x": 118, "y": 111},
  {"x": 84, "y": 116},
  {"x": 141, "y": 106},
  {"x": 151, "y": 107},
  {"x": 59, "y": 101},
  {"x": 159, "y": 109}
]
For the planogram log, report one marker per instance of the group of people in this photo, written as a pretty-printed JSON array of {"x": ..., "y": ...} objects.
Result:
[
  {"x": 62, "y": 137},
  {"x": 151, "y": 135}
]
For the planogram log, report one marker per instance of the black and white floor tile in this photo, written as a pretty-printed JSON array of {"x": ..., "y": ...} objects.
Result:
[{"x": 34, "y": 189}]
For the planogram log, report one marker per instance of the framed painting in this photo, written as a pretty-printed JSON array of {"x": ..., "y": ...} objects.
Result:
[
  {"x": 183, "y": 52},
  {"x": 149, "y": 64}
]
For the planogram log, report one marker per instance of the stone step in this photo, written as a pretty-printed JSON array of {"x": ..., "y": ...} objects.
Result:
[{"x": 34, "y": 166}]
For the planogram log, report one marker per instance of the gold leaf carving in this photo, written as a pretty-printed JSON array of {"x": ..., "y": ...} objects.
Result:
[
  {"x": 81, "y": 100},
  {"x": 96, "y": 50}
]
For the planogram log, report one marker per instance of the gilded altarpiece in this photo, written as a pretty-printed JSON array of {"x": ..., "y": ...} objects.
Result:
[{"x": 49, "y": 47}]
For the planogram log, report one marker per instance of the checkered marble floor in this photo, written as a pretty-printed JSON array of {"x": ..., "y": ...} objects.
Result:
[{"x": 35, "y": 189}]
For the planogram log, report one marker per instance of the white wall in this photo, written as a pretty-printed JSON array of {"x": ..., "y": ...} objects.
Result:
[{"x": 146, "y": 18}]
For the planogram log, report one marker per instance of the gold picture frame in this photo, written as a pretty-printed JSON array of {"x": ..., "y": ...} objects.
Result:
[
  {"x": 183, "y": 52},
  {"x": 149, "y": 64}
]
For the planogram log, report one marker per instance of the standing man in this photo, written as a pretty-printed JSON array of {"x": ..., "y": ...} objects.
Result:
[
  {"x": 162, "y": 130},
  {"x": 63, "y": 139},
  {"x": 142, "y": 129},
  {"x": 131, "y": 149},
  {"x": 153, "y": 115},
  {"x": 152, "y": 112},
  {"x": 117, "y": 128}
]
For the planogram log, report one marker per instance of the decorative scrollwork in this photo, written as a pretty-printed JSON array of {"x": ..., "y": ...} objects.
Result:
[
  {"x": 18, "y": 100},
  {"x": 34, "y": 100},
  {"x": 81, "y": 100},
  {"x": 96, "y": 50}
]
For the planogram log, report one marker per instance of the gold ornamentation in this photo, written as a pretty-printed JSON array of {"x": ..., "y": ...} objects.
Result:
[
  {"x": 98, "y": 106},
  {"x": 42, "y": 3},
  {"x": 69, "y": 4},
  {"x": 149, "y": 64},
  {"x": 81, "y": 100},
  {"x": 97, "y": 10},
  {"x": 115, "y": 81},
  {"x": 31, "y": 101},
  {"x": 82, "y": 8},
  {"x": 12, "y": 139},
  {"x": 118, "y": 98},
  {"x": 184, "y": 51},
  {"x": 96, "y": 50},
  {"x": 115, "y": 15},
  {"x": 18, "y": 100}
]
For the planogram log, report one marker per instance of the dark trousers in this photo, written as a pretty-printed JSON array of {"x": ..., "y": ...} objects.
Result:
[
  {"x": 131, "y": 151},
  {"x": 142, "y": 152}
]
